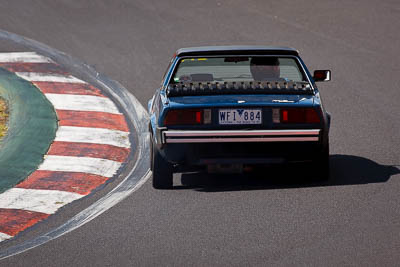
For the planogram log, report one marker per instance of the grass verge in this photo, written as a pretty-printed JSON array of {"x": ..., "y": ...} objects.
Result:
[{"x": 3, "y": 117}]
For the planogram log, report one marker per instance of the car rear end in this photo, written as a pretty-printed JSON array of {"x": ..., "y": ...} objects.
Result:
[
  {"x": 241, "y": 129},
  {"x": 215, "y": 115}
]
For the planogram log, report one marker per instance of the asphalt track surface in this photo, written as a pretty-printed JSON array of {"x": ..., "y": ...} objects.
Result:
[{"x": 354, "y": 219}]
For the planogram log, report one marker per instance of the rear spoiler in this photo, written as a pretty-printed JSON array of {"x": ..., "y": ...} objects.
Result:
[{"x": 223, "y": 88}]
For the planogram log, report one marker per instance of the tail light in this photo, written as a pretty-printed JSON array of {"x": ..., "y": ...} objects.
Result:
[
  {"x": 299, "y": 115},
  {"x": 187, "y": 117}
]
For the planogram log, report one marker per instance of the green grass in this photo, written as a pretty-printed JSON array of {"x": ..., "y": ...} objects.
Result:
[{"x": 3, "y": 117}]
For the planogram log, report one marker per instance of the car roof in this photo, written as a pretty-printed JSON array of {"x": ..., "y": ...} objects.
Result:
[{"x": 236, "y": 50}]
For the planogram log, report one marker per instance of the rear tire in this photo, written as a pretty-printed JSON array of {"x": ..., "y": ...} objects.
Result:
[
  {"x": 151, "y": 152},
  {"x": 321, "y": 165},
  {"x": 162, "y": 170}
]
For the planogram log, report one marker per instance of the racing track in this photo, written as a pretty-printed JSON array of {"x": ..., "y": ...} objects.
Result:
[{"x": 208, "y": 220}]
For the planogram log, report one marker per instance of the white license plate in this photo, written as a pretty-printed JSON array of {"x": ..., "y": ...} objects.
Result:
[{"x": 240, "y": 116}]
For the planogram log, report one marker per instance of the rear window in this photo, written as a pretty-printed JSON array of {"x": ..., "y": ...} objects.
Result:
[{"x": 235, "y": 69}]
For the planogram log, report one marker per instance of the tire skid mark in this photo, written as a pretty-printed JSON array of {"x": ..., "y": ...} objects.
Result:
[
  {"x": 104, "y": 167},
  {"x": 34, "y": 67},
  {"x": 38, "y": 200},
  {"x": 92, "y": 119},
  {"x": 24, "y": 57},
  {"x": 82, "y": 103},
  {"x": 75, "y": 182},
  {"x": 13, "y": 221},
  {"x": 89, "y": 150},
  {"x": 68, "y": 88},
  {"x": 93, "y": 135},
  {"x": 48, "y": 77}
]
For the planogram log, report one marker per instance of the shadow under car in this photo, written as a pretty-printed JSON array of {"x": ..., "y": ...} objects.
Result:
[{"x": 344, "y": 170}]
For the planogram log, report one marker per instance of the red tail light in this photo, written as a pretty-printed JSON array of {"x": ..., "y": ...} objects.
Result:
[
  {"x": 299, "y": 115},
  {"x": 184, "y": 117}
]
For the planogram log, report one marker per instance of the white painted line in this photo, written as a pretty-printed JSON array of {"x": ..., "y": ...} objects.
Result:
[
  {"x": 23, "y": 57},
  {"x": 103, "y": 167},
  {"x": 44, "y": 201},
  {"x": 82, "y": 103},
  {"x": 48, "y": 77},
  {"x": 93, "y": 136},
  {"x": 4, "y": 236}
]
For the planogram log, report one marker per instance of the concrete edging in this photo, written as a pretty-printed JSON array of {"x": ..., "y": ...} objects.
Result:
[
  {"x": 136, "y": 170},
  {"x": 32, "y": 126}
]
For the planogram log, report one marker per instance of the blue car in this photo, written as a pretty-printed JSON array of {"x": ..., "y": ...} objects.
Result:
[{"x": 236, "y": 108}]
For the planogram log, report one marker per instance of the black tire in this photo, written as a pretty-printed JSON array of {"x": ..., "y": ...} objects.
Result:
[
  {"x": 162, "y": 170},
  {"x": 151, "y": 152},
  {"x": 321, "y": 165}
]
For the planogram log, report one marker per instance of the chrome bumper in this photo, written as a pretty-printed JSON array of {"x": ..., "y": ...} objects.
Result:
[{"x": 212, "y": 136}]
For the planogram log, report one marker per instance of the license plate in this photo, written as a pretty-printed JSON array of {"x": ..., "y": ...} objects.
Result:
[{"x": 240, "y": 116}]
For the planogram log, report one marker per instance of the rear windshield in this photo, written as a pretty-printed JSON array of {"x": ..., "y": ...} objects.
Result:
[{"x": 232, "y": 69}]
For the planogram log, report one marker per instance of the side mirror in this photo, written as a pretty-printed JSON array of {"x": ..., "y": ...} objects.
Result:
[{"x": 322, "y": 75}]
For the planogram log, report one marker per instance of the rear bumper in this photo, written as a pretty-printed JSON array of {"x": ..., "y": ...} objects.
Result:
[
  {"x": 204, "y": 147},
  {"x": 239, "y": 136}
]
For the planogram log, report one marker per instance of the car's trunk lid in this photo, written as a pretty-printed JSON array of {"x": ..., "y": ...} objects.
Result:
[{"x": 261, "y": 107}]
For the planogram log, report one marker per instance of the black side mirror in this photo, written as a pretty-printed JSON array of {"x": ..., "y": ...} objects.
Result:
[{"x": 322, "y": 75}]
